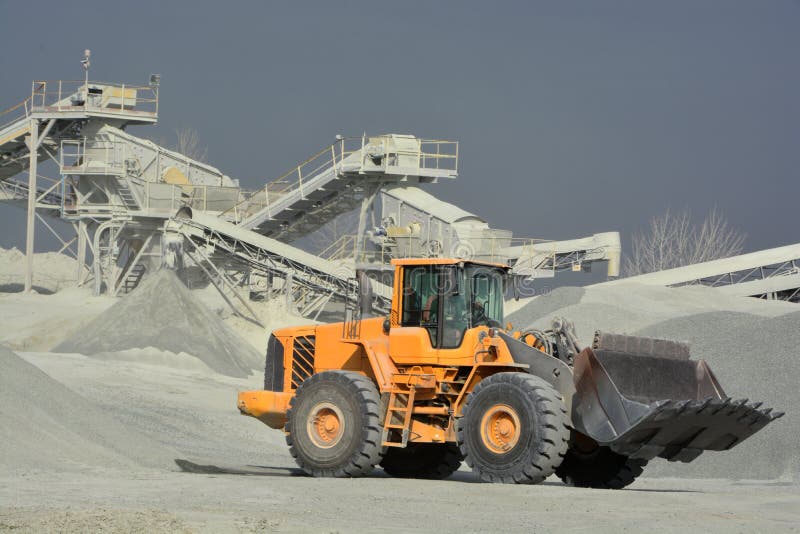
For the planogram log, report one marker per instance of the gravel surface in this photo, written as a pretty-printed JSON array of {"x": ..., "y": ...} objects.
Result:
[
  {"x": 543, "y": 306},
  {"x": 47, "y": 426},
  {"x": 162, "y": 313},
  {"x": 144, "y": 435}
]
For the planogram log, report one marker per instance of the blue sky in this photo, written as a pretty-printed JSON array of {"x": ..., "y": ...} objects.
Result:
[{"x": 574, "y": 117}]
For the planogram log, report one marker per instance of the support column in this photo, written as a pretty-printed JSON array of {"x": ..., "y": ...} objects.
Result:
[
  {"x": 33, "y": 144},
  {"x": 81, "y": 229},
  {"x": 366, "y": 204},
  {"x": 288, "y": 282}
]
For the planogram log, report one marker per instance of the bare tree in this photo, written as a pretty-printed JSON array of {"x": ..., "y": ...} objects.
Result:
[
  {"x": 672, "y": 240},
  {"x": 189, "y": 145}
]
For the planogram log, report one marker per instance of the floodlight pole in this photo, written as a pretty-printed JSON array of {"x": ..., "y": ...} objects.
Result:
[{"x": 85, "y": 63}]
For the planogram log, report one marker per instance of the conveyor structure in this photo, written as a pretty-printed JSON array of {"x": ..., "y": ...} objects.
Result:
[{"x": 127, "y": 198}]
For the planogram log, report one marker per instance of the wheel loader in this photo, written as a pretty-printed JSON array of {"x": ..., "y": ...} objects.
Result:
[{"x": 441, "y": 381}]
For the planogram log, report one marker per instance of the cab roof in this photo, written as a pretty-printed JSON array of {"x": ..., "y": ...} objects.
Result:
[{"x": 445, "y": 261}]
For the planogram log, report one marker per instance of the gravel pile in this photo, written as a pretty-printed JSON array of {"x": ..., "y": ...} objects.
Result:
[
  {"x": 52, "y": 271},
  {"x": 750, "y": 344},
  {"x": 163, "y": 314},
  {"x": 752, "y": 357},
  {"x": 543, "y": 306},
  {"x": 49, "y": 427}
]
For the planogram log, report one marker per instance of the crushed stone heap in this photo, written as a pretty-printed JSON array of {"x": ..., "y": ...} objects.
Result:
[
  {"x": 750, "y": 344},
  {"x": 162, "y": 313},
  {"x": 48, "y": 427}
]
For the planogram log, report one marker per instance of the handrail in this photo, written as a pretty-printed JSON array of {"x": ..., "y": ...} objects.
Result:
[
  {"x": 92, "y": 156},
  {"x": 117, "y": 98},
  {"x": 344, "y": 248},
  {"x": 333, "y": 157},
  {"x": 278, "y": 187},
  {"x": 17, "y": 117},
  {"x": 335, "y": 251}
]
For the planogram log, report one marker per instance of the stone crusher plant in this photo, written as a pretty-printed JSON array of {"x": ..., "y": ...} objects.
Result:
[{"x": 441, "y": 381}]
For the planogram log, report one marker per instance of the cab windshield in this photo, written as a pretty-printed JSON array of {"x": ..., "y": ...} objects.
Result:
[
  {"x": 447, "y": 300},
  {"x": 485, "y": 295}
]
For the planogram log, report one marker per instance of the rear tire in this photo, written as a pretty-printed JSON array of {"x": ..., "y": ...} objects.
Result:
[
  {"x": 513, "y": 429},
  {"x": 589, "y": 465},
  {"x": 432, "y": 461},
  {"x": 333, "y": 425}
]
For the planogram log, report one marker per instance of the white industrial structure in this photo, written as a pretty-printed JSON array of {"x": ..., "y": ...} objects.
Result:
[
  {"x": 767, "y": 274},
  {"x": 132, "y": 203}
]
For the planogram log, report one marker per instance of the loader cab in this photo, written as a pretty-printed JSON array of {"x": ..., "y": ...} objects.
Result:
[{"x": 446, "y": 298}]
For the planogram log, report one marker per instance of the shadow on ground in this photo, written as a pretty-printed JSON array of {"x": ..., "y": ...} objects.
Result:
[
  {"x": 251, "y": 470},
  {"x": 271, "y": 471},
  {"x": 19, "y": 288}
]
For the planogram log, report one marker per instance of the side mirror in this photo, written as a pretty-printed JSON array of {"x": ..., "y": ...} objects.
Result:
[{"x": 387, "y": 325}]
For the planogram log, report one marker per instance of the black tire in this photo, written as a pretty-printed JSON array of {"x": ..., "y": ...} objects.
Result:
[
  {"x": 347, "y": 401},
  {"x": 589, "y": 465},
  {"x": 538, "y": 417},
  {"x": 433, "y": 461}
]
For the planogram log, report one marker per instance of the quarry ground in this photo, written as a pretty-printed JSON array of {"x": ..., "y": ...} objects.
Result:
[
  {"x": 273, "y": 499},
  {"x": 165, "y": 450},
  {"x": 239, "y": 477}
]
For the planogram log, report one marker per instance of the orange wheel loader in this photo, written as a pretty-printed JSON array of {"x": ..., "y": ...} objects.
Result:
[{"x": 441, "y": 381}]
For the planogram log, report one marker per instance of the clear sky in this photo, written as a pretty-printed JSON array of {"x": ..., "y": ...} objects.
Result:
[{"x": 574, "y": 117}]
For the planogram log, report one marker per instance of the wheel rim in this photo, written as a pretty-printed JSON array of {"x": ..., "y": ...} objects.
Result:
[
  {"x": 500, "y": 428},
  {"x": 325, "y": 425}
]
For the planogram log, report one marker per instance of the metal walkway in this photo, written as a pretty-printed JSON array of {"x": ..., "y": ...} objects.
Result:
[
  {"x": 338, "y": 178},
  {"x": 58, "y": 108}
]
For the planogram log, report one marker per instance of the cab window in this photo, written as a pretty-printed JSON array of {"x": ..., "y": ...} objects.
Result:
[
  {"x": 419, "y": 294},
  {"x": 485, "y": 296}
]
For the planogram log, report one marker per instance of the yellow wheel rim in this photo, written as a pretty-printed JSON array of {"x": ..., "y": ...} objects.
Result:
[
  {"x": 500, "y": 428},
  {"x": 325, "y": 425}
]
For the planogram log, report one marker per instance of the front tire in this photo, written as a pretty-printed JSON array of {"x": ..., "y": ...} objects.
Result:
[
  {"x": 433, "y": 461},
  {"x": 513, "y": 429},
  {"x": 589, "y": 465},
  {"x": 333, "y": 425}
]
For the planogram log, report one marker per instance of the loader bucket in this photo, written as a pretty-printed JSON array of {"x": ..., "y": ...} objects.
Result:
[{"x": 644, "y": 398}]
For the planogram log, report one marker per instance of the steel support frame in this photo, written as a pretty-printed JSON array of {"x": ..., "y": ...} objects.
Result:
[
  {"x": 763, "y": 272},
  {"x": 302, "y": 276}
]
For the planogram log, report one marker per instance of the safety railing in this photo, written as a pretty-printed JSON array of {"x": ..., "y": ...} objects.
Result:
[
  {"x": 342, "y": 248},
  {"x": 330, "y": 158},
  {"x": 439, "y": 155},
  {"x": 68, "y": 95},
  {"x": 93, "y": 156},
  {"x": 360, "y": 154},
  {"x": 540, "y": 254},
  {"x": 154, "y": 198},
  {"x": 14, "y": 113},
  {"x": 169, "y": 198}
]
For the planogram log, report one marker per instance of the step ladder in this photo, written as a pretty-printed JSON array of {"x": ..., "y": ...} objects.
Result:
[
  {"x": 127, "y": 196},
  {"x": 133, "y": 278},
  {"x": 398, "y": 418}
]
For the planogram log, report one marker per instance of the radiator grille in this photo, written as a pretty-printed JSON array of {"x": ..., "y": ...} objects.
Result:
[{"x": 303, "y": 350}]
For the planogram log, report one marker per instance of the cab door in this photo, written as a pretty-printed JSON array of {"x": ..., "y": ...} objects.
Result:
[{"x": 415, "y": 340}]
